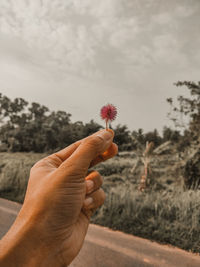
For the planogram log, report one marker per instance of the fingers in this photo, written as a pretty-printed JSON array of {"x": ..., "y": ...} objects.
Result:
[
  {"x": 87, "y": 150},
  {"x": 93, "y": 201},
  {"x": 59, "y": 157},
  {"x": 56, "y": 159},
  {"x": 67, "y": 151},
  {"x": 95, "y": 196},
  {"x": 93, "y": 181},
  {"x": 109, "y": 153}
]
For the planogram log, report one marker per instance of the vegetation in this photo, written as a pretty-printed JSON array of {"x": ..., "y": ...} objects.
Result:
[
  {"x": 14, "y": 174},
  {"x": 164, "y": 213},
  {"x": 168, "y": 211},
  {"x": 187, "y": 114},
  {"x": 33, "y": 127}
]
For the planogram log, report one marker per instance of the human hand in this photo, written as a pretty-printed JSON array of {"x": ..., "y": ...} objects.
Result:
[{"x": 52, "y": 224}]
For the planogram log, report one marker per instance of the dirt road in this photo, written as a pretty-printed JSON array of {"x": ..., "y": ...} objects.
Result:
[{"x": 106, "y": 248}]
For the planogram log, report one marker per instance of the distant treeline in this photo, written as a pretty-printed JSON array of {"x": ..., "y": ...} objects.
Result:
[{"x": 33, "y": 127}]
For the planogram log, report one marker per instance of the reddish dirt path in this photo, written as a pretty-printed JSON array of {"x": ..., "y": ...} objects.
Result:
[{"x": 106, "y": 248}]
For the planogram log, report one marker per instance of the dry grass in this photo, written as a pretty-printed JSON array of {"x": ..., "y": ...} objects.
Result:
[
  {"x": 166, "y": 217},
  {"x": 14, "y": 174},
  {"x": 164, "y": 213}
]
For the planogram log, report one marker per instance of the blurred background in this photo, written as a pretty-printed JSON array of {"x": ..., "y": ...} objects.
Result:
[{"x": 61, "y": 61}]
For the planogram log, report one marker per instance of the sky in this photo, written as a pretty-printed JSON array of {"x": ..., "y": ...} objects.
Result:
[{"x": 78, "y": 55}]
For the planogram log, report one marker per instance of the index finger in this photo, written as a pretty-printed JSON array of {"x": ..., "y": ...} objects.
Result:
[
  {"x": 109, "y": 153},
  {"x": 65, "y": 153}
]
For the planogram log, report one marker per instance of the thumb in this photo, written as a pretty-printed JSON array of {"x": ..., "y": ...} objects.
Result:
[{"x": 89, "y": 148}]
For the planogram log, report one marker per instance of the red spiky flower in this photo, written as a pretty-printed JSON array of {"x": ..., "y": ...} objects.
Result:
[{"x": 108, "y": 113}]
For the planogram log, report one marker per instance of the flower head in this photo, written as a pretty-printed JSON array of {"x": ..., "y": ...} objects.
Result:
[{"x": 108, "y": 113}]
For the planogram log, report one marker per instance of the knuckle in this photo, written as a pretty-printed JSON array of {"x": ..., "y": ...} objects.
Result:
[
  {"x": 37, "y": 164},
  {"x": 101, "y": 180},
  {"x": 97, "y": 175},
  {"x": 102, "y": 196},
  {"x": 95, "y": 141},
  {"x": 54, "y": 159},
  {"x": 97, "y": 178},
  {"x": 75, "y": 145}
]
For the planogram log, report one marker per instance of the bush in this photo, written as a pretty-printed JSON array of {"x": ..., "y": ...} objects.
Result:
[{"x": 166, "y": 217}]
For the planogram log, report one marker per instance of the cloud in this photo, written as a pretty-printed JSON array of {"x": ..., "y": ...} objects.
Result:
[
  {"x": 69, "y": 40},
  {"x": 74, "y": 34},
  {"x": 63, "y": 43},
  {"x": 125, "y": 50}
]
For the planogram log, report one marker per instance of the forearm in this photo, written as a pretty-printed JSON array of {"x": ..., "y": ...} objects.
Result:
[{"x": 22, "y": 246}]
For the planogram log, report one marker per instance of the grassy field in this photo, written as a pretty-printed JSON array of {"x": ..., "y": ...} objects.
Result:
[
  {"x": 165, "y": 212},
  {"x": 14, "y": 174}
]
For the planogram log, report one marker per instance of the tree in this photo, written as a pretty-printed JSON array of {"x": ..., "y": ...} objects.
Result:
[
  {"x": 139, "y": 136},
  {"x": 32, "y": 127},
  {"x": 122, "y": 137},
  {"x": 170, "y": 135},
  {"x": 153, "y": 136},
  {"x": 12, "y": 110},
  {"x": 91, "y": 127},
  {"x": 188, "y": 107}
]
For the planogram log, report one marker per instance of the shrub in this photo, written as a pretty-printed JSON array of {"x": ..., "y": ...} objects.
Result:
[{"x": 166, "y": 217}]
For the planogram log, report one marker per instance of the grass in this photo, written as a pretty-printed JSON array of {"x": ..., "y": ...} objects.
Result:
[
  {"x": 171, "y": 218},
  {"x": 14, "y": 174},
  {"x": 164, "y": 213}
]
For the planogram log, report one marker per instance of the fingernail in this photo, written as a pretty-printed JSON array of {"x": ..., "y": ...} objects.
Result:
[
  {"x": 105, "y": 134},
  {"x": 88, "y": 201},
  {"x": 89, "y": 185}
]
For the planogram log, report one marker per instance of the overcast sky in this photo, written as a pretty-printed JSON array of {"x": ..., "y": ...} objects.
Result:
[{"x": 77, "y": 55}]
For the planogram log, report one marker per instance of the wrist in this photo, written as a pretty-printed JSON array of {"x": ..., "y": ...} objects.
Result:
[{"x": 24, "y": 245}]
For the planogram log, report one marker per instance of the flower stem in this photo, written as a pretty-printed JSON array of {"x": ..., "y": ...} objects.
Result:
[{"x": 107, "y": 125}]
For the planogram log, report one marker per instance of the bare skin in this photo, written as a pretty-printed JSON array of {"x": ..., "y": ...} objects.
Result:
[{"x": 61, "y": 196}]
